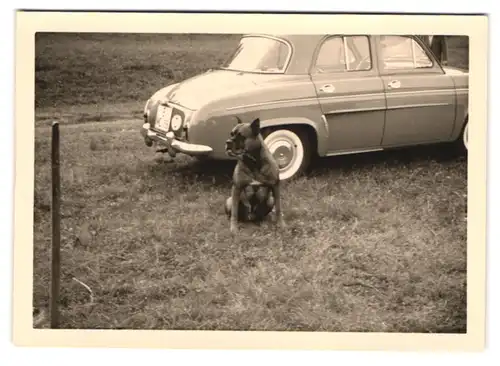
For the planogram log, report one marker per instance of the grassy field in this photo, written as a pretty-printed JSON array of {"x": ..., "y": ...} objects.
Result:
[{"x": 374, "y": 242}]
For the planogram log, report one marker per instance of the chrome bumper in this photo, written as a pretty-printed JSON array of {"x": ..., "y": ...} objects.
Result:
[{"x": 172, "y": 143}]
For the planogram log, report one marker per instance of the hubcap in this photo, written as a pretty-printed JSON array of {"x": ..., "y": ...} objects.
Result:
[
  {"x": 286, "y": 148},
  {"x": 283, "y": 153}
]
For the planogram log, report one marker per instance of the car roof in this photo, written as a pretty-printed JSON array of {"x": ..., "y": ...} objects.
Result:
[{"x": 292, "y": 38}]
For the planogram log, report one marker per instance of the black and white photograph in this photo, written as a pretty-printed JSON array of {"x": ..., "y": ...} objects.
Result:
[{"x": 252, "y": 181}]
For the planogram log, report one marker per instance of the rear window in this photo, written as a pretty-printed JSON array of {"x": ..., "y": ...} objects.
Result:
[{"x": 259, "y": 54}]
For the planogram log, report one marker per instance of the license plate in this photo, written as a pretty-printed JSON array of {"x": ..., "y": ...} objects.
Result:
[{"x": 163, "y": 118}]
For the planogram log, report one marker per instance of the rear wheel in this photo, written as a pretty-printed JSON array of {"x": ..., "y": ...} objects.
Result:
[
  {"x": 291, "y": 147},
  {"x": 461, "y": 144},
  {"x": 465, "y": 136}
]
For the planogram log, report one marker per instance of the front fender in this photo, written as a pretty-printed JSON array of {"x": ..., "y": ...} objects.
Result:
[
  {"x": 320, "y": 129},
  {"x": 212, "y": 131}
]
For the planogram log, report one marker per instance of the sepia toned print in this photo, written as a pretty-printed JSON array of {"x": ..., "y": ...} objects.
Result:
[{"x": 372, "y": 241}]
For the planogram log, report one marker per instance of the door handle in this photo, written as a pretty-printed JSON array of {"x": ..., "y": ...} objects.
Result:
[
  {"x": 328, "y": 88},
  {"x": 394, "y": 84}
]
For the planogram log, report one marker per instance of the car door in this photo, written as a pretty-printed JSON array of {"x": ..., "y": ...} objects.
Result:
[
  {"x": 350, "y": 93},
  {"x": 420, "y": 96}
]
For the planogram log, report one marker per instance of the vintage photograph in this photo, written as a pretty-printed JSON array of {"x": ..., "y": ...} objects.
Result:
[{"x": 253, "y": 182}]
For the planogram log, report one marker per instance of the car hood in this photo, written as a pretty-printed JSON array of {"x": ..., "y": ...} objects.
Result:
[{"x": 199, "y": 90}]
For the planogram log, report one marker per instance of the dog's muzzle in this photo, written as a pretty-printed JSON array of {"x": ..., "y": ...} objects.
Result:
[{"x": 230, "y": 147}]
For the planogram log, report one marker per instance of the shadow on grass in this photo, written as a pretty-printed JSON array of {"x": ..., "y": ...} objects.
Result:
[
  {"x": 214, "y": 172},
  {"x": 441, "y": 153},
  {"x": 219, "y": 172}
]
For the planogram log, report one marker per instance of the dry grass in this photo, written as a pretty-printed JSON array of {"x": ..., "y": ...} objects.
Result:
[{"x": 374, "y": 242}]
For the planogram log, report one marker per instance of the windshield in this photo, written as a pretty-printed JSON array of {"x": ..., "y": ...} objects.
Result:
[{"x": 259, "y": 54}]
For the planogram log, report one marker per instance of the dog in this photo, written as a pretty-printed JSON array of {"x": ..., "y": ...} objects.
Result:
[{"x": 256, "y": 180}]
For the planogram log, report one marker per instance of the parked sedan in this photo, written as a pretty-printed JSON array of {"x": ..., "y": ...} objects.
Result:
[{"x": 316, "y": 95}]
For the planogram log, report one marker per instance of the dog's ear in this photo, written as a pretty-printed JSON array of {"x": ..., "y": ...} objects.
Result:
[
  {"x": 239, "y": 120},
  {"x": 255, "y": 126}
]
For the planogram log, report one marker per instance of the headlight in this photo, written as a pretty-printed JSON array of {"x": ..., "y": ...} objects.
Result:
[{"x": 176, "y": 122}]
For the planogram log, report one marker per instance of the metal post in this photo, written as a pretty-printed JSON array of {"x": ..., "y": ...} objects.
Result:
[{"x": 56, "y": 230}]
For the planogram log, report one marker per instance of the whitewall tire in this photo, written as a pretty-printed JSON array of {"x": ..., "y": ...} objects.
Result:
[
  {"x": 291, "y": 150},
  {"x": 465, "y": 136}
]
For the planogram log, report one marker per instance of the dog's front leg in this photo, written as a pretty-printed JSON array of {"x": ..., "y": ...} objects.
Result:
[
  {"x": 236, "y": 195},
  {"x": 277, "y": 205}
]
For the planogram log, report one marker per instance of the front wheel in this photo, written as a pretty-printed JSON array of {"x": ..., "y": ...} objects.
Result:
[{"x": 291, "y": 149}]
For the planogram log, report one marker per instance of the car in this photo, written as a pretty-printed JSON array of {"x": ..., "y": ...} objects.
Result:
[{"x": 316, "y": 96}]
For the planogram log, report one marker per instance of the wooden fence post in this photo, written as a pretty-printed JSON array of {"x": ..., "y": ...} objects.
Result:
[{"x": 56, "y": 230}]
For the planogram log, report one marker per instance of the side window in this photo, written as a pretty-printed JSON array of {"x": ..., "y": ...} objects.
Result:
[
  {"x": 331, "y": 56},
  {"x": 403, "y": 53},
  {"x": 360, "y": 48},
  {"x": 344, "y": 54}
]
